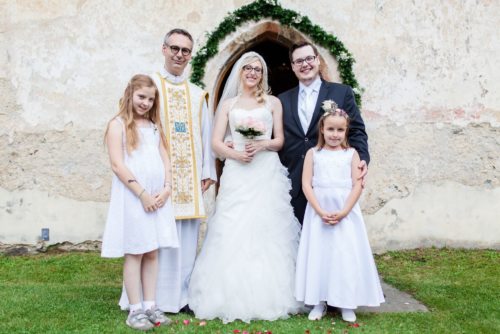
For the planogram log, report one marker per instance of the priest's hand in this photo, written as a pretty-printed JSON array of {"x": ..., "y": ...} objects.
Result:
[{"x": 205, "y": 184}]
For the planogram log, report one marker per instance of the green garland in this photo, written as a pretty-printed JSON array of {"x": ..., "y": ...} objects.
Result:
[{"x": 260, "y": 9}]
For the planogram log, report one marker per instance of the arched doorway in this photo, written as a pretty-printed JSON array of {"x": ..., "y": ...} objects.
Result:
[
  {"x": 275, "y": 53},
  {"x": 272, "y": 40},
  {"x": 274, "y": 49}
]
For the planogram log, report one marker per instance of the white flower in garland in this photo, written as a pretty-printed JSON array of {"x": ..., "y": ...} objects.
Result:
[
  {"x": 297, "y": 19},
  {"x": 344, "y": 56},
  {"x": 356, "y": 90}
]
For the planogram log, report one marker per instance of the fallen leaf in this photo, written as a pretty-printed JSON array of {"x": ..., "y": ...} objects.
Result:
[
  {"x": 186, "y": 322},
  {"x": 203, "y": 323}
]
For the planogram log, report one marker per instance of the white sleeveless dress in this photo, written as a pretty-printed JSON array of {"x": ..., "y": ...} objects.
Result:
[
  {"x": 129, "y": 229},
  {"x": 246, "y": 267},
  {"x": 335, "y": 263}
]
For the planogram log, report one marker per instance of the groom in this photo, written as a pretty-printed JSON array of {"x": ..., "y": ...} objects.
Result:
[{"x": 301, "y": 112}]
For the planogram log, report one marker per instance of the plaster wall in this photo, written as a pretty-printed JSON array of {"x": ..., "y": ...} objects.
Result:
[{"x": 431, "y": 106}]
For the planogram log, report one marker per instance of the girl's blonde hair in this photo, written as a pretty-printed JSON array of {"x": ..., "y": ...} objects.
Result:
[
  {"x": 126, "y": 111},
  {"x": 332, "y": 112}
]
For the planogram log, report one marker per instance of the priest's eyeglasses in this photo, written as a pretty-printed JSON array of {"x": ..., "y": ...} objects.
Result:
[
  {"x": 249, "y": 69},
  {"x": 300, "y": 61},
  {"x": 175, "y": 50}
]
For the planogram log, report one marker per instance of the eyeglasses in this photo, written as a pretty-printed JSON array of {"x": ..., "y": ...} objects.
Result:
[
  {"x": 300, "y": 61},
  {"x": 175, "y": 50},
  {"x": 249, "y": 69}
]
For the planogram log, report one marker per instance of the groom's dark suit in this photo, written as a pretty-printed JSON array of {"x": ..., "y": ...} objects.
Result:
[{"x": 297, "y": 142}]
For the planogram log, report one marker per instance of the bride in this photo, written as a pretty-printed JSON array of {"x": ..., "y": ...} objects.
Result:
[{"x": 246, "y": 268}]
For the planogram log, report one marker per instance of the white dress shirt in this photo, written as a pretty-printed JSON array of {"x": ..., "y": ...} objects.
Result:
[{"x": 308, "y": 97}]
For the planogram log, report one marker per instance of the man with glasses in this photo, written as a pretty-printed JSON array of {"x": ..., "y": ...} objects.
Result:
[
  {"x": 301, "y": 112},
  {"x": 187, "y": 126}
]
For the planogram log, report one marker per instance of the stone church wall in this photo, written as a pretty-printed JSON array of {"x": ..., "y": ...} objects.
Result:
[{"x": 431, "y": 105}]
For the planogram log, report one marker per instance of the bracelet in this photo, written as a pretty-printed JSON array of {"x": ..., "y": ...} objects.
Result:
[{"x": 142, "y": 192}]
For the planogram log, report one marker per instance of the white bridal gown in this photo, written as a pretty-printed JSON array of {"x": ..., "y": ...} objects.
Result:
[{"x": 246, "y": 268}]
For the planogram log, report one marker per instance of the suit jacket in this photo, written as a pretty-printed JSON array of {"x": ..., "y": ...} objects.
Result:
[{"x": 297, "y": 142}]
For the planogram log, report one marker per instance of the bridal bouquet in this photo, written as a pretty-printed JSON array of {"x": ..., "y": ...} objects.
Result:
[{"x": 250, "y": 128}]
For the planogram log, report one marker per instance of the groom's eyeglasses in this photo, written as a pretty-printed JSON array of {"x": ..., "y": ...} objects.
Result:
[
  {"x": 300, "y": 61},
  {"x": 175, "y": 50},
  {"x": 249, "y": 68}
]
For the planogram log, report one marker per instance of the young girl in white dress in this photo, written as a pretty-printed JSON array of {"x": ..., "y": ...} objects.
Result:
[
  {"x": 335, "y": 264},
  {"x": 140, "y": 217}
]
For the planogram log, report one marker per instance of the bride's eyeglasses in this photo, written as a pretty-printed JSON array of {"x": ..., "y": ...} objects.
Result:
[{"x": 249, "y": 69}]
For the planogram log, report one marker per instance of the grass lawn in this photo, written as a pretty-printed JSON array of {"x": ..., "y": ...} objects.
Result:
[{"x": 78, "y": 293}]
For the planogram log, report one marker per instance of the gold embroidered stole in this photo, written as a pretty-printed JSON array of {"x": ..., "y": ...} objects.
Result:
[{"x": 182, "y": 134}]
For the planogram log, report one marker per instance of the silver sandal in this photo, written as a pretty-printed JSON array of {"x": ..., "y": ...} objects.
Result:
[
  {"x": 157, "y": 317},
  {"x": 139, "y": 320}
]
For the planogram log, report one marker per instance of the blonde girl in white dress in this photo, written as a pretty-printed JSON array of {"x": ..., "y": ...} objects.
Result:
[
  {"x": 140, "y": 217},
  {"x": 335, "y": 264}
]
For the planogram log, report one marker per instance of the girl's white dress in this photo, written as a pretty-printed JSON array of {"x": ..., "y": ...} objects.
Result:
[
  {"x": 130, "y": 229},
  {"x": 246, "y": 268},
  {"x": 335, "y": 263}
]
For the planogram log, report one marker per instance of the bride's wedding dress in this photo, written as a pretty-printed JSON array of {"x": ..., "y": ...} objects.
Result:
[{"x": 246, "y": 268}]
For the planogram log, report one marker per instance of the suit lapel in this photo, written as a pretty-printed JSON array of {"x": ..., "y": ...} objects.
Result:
[
  {"x": 323, "y": 91},
  {"x": 295, "y": 107}
]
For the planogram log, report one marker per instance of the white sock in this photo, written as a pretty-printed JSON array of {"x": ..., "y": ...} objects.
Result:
[
  {"x": 135, "y": 307},
  {"x": 148, "y": 304}
]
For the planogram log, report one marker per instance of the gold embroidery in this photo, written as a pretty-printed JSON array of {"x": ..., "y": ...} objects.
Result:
[
  {"x": 180, "y": 131},
  {"x": 181, "y": 138}
]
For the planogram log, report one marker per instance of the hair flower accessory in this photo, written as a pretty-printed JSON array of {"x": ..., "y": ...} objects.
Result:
[{"x": 329, "y": 106}]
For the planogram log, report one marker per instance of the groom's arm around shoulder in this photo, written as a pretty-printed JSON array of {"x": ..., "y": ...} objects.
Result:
[{"x": 357, "y": 134}]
